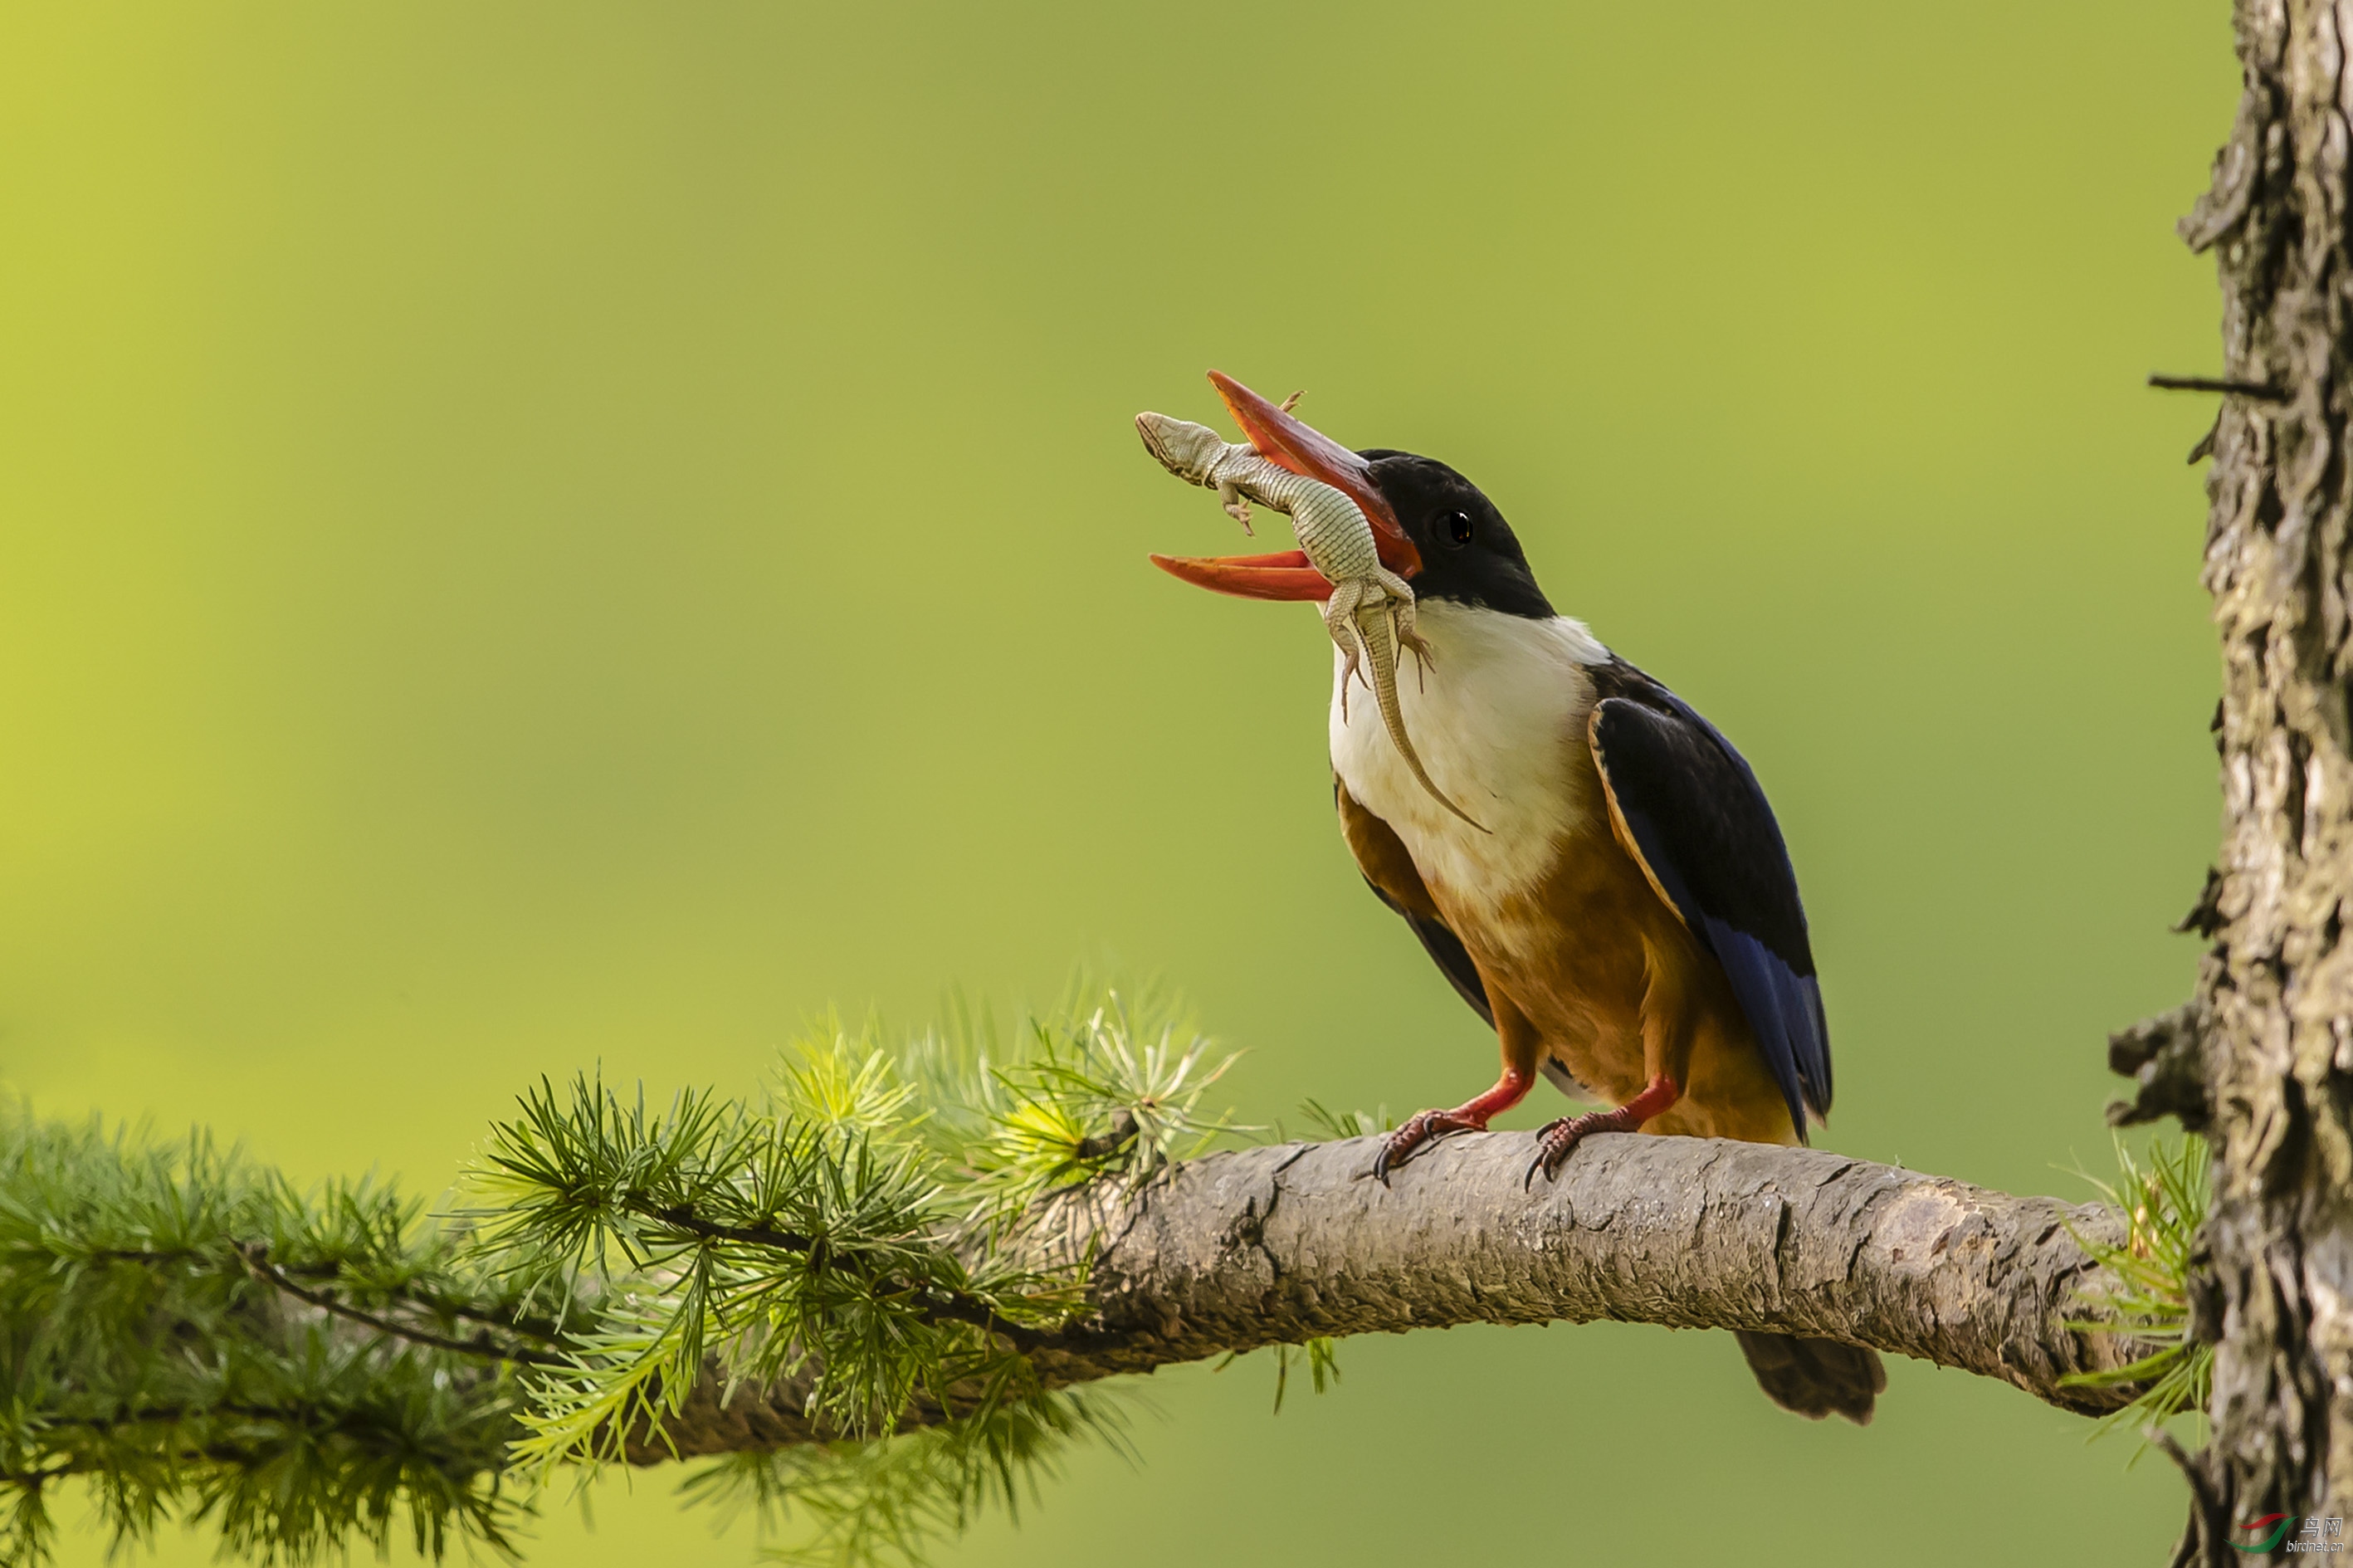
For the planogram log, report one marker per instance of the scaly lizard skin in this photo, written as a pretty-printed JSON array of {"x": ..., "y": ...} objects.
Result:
[{"x": 1370, "y": 612}]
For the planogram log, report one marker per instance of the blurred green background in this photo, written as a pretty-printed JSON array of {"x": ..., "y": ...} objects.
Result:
[{"x": 546, "y": 534}]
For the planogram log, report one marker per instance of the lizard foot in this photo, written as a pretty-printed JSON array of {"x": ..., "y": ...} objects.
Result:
[
  {"x": 1340, "y": 620},
  {"x": 1237, "y": 505},
  {"x": 1414, "y": 642}
]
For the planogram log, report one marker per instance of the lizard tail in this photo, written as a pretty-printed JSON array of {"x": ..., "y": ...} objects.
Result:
[{"x": 1381, "y": 650}]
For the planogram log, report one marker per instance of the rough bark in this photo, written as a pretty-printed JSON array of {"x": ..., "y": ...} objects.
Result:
[
  {"x": 1287, "y": 1244},
  {"x": 2277, "y": 990}
]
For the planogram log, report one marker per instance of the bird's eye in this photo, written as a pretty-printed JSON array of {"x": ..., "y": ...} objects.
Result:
[{"x": 1458, "y": 527}]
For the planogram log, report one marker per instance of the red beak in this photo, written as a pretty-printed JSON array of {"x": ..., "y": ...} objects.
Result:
[{"x": 1298, "y": 446}]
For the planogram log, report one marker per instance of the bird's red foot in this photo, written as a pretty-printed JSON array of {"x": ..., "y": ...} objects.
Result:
[
  {"x": 1418, "y": 1133},
  {"x": 1557, "y": 1139},
  {"x": 1471, "y": 1115}
]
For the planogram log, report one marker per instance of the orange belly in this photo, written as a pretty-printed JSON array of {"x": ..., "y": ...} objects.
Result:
[
  {"x": 1613, "y": 986},
  {"x": 1589, "y": 966}
]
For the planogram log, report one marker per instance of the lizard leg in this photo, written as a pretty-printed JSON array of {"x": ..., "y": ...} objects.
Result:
[
  {"x": 1400, "y": 595},
  {"x": 1237, "y": 505},
  {"x": 1340, "y": 620},
  {"x": 1401, "y": 629}
]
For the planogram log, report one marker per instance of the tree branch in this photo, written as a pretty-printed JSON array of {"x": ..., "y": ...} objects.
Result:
[
  {"x": 1287, "y": 1244},
  {"x": 2165, "y": 1057},
  {"x": 939, "y": 1306},
  {"x": 255, "y": 1257}
]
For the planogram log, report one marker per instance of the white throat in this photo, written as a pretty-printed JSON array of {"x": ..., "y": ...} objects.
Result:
[{"x": 1494, "y": 717}]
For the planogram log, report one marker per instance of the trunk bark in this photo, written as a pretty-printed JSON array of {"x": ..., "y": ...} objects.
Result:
[{"x": 2273, "y": 1035}]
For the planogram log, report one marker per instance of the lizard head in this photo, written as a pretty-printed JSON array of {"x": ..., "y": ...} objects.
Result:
[{"x": 1183, "y": 448}]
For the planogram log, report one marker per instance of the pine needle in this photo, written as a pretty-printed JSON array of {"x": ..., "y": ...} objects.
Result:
[{"x": 2163, "y": 1204}]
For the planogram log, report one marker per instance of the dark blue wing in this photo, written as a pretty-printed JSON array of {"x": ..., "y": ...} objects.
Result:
[
  {"x": 1381, "y": 856},
  {"x": 1703, "y": 830},
  {"x": 1446, "y": 950}
]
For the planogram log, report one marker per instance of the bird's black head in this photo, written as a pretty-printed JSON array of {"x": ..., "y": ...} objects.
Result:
[{"x": 1469, "y": 553}]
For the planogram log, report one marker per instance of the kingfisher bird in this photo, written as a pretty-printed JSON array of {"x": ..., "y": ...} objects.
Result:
[{"x": 1615, "y": 899}]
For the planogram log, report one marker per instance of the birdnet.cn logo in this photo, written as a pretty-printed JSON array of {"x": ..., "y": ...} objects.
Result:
[{"x": 2270, "y": 1533}]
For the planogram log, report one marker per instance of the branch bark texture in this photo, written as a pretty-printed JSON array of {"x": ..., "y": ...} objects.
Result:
[{"x": 1287, "y": 1244}]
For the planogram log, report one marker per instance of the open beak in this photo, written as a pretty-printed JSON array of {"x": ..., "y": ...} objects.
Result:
[
  {"x": 1283, "y": 575},
  {"x": 1298, "y": 446}
]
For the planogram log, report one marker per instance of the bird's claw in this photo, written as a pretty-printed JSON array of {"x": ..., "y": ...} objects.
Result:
[
  {"x": 1555, "y": 1141},
  {"x": 1415, "y": 1134},
  {"x": 1398, "y": 1148}
]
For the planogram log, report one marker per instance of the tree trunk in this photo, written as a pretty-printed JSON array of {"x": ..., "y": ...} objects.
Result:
[{"x": 2275, "y": 994}]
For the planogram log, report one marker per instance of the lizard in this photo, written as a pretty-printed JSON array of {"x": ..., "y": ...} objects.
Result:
[{"x": 1369, "y": 614}]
